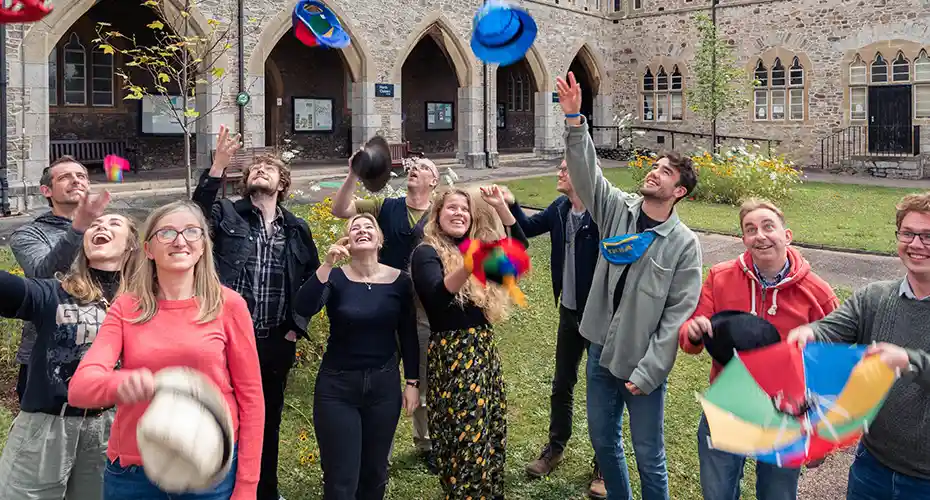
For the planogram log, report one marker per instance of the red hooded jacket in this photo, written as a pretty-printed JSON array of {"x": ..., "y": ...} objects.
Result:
[{"x": 800, "y": 298}]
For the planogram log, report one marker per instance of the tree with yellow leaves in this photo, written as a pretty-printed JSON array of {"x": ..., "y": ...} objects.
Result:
[{"x": 173, "y": 64}]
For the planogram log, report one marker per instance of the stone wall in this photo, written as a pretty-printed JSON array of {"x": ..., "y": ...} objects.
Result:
[
  {"x": 607, "y": 49},
  {"x": 822, "y": 33}
]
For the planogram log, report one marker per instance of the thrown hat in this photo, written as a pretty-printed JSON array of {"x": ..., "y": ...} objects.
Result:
[
  {"x": 302, "y": 32},
  {"x": 372, "y": 164},
  {"x": 738, "y": 331},
  {"x": 502, "y": 33},
  {"x": 185, "y": 436},
  {"x": 322, "y": 23}
]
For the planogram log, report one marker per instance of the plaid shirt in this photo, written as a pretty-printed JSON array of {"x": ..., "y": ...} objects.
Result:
[{"x": 263, "y": 282}]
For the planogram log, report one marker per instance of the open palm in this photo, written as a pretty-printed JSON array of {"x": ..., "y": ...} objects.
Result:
[{"x": 569, "y": 94}]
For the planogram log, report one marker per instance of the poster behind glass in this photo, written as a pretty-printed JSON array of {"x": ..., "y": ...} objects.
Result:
[
  {"x": 439, "y": 116},
  {"x": 313, "y": 115}
]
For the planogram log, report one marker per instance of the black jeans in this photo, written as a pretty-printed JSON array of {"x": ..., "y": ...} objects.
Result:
[
  {"x": 276, "y": 356},
  {"x": 355, "y": 414},
  {"x": 570, "y": 346}
]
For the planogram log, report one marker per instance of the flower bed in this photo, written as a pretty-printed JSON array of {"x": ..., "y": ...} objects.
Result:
[{"x": 732, "y": 176}]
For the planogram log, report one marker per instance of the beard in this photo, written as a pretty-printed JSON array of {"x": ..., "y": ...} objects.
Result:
[{"x": 260, "y": 189}]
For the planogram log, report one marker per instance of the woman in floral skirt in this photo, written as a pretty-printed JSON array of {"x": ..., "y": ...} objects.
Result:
[{"x": 466, "y": 399}]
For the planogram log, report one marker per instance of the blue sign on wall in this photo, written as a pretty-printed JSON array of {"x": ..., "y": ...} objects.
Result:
[
  {"x": 384, "y": 90},
  {"x": 555, "y": 97}
]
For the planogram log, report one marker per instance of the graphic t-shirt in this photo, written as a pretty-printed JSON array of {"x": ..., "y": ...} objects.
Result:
[{"x": 65, "y": 330}]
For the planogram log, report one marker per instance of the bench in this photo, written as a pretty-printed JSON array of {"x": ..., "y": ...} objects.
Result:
[
  {"x": 399, "y": 152},
  {"x": 93, "y": 151},
  {"x": 240, "y": 162}
]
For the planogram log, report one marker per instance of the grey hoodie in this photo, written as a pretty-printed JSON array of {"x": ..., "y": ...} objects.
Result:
[{"x": 43, "y": 247}]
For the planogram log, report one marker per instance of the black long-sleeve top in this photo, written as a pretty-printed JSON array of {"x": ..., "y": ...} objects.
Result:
[
  {"x": 364, "y": 322},
  {"x": 442, "y": 309},
  {"x": 65, "y": 330}
]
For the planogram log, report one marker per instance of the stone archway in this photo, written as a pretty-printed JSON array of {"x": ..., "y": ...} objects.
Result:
[
  {"x": 356, "y": 57},
  {"x": 541, "y": 85},
  {"x": 39, "y": 39},
  {"x": 599, "y": 109},
  {"x": 435, "y": 29}
]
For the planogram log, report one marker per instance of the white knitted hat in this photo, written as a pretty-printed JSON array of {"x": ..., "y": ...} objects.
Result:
[{"x": 185, "y": 436}]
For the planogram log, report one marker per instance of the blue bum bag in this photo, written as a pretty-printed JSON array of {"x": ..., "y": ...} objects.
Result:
[{"x": 626, "y": 248}]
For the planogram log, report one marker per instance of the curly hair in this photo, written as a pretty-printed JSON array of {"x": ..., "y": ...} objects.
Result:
[{"x": 486, "y": 226}]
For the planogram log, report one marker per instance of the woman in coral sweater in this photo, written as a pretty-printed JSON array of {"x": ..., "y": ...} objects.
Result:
[{"x": 175, "y": 312}]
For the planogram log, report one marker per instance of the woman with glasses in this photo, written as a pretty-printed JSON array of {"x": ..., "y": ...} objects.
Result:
[{"x": 174, "y": 312}]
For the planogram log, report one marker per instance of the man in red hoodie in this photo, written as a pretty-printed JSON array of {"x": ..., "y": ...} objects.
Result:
[{"x": 773, "y": 281}]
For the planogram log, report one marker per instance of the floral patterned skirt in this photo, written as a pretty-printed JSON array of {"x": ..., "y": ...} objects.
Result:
[{"x": 467, "y": 413}]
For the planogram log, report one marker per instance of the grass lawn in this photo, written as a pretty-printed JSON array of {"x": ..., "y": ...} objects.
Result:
[
  {"x": 527, "y": 344},
  {"x": 834, "y": 215}
]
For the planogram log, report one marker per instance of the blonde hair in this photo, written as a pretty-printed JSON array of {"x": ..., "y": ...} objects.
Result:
[
  {"x": 207, "y": 286},
  {"x": 486, "y": 226},
  {"x": 369, "y": 217},
  {"x": 753, "y": 204},
  {"x": 78, "y": 283},
  {"x": 917, "y": 202}
]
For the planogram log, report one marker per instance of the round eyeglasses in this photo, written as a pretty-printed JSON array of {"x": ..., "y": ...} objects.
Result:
[{"x": 169, "y": 235}]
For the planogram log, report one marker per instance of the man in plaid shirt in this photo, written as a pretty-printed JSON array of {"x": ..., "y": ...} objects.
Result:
[{"x": 265, "y": 253}]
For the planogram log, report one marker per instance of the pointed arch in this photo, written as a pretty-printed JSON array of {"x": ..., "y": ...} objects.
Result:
[
  {"x": 356, "y": 56},
  {"x": 534, "y": 60},
  {"x": 592, "y": 63},
  {"x": 41, "y": 36},
  {"x": 436, "y": 25}
]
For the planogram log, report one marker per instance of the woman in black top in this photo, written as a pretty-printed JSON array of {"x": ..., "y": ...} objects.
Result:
[
  {"x": 466, "y": 400},
  {"x": 53, "y": 449},
  {"x": 357, "y": 399}
]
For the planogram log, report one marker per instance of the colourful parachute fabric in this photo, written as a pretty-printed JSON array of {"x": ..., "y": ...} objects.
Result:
[{"x": 787, "y": 406}]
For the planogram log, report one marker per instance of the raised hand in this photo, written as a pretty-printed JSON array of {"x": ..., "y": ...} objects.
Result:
[
  {"x": 569, "y": 94},
  {"x": 226, "y": 147},
  {"x": 337, "y": 251},
  {"x": 88, "y": 209},
  {"x": 494, "y": 196}
]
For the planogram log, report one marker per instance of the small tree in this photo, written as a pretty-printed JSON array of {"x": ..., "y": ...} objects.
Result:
[
  {"x": 719, "y": 84},
  {"x": 166, "y": 63}
]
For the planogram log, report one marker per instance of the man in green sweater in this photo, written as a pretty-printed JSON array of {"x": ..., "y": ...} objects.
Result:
[{"x": 893, "y": 458}]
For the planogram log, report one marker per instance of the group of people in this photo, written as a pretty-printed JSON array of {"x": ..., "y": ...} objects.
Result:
[{"x": 228, "y": 287}]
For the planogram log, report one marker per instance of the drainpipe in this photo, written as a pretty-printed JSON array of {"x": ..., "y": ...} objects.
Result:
[
  {"x": 241, "y": 58},
  {"x": 4, "y": 185},
  {"x": 487, "y": 128}
]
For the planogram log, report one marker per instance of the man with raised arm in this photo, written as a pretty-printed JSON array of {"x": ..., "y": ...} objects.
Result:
[
  {"x": 646, "y": 284},
  {"x": 265, "y": 253}
]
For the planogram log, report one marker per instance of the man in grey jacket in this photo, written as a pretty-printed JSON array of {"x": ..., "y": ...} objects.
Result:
[
  {"x": 50, "y": 243},
  {"x": 893, "y": 458},
  {"x": 646, "y": 284}
]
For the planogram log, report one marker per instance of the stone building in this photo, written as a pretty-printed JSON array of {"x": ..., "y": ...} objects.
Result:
[{"x": 845, "y": 76}]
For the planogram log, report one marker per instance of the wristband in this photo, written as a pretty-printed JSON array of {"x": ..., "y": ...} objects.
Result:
[{"x": 573, "y": 115}]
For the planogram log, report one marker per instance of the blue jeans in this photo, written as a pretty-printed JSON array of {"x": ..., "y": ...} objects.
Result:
[
  {"x": 721, "y": 473},
  {"x": 870, "y": 480},
  {"x": 131, "y": 483},
  {"x": 607, "y": 396}
]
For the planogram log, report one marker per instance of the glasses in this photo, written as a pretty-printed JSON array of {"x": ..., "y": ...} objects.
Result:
[
  {"x": 908, "y": 237},
  {"x": 169, "y": 235}
]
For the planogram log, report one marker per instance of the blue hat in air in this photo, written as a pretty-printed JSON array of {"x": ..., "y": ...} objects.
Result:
[{"x": 502, "y": 33}]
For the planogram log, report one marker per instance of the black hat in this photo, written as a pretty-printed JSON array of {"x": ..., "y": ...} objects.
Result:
[
  {"x": 739, "y": 331},
  {"x": 372, "y": 164}
]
